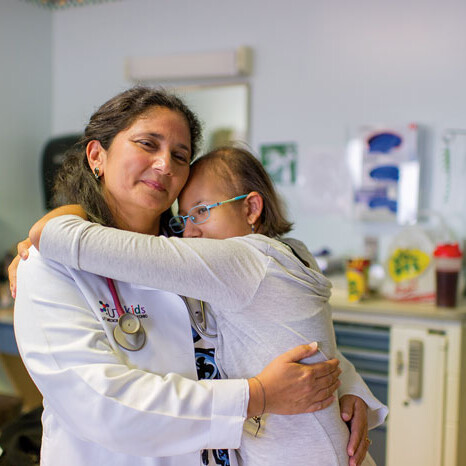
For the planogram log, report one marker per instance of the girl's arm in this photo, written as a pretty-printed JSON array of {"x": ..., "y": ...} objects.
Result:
[
  {"x": 36, "y": 230},
  {"x": 34, "y": 237},
  {"x": 221, "y": 272}
]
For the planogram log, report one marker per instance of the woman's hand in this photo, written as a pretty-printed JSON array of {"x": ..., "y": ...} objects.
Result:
[
  {"x": 34, "y": 239},
  {"x": 287, "y": 387},
  {"x": 354, "y": 413}
]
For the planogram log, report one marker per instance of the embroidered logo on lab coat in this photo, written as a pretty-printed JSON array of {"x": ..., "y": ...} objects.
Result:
[{"x": 111, "y": 315}]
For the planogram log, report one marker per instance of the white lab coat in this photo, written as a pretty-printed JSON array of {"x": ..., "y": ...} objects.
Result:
[{"x": 108, "y": 406}]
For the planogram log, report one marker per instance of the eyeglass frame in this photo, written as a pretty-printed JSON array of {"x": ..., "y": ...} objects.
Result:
[{"x": 185, "y": 218}]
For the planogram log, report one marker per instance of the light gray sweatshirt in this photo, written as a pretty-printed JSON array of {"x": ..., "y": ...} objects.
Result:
[{"x": 264, "y": 301}]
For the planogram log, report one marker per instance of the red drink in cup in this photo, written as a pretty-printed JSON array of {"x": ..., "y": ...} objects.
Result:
[{"x": 448, "y": 258}]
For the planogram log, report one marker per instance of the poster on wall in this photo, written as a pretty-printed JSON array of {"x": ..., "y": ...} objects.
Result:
[
  {"x": 384, "y": 164},
  {"x": 280, "y": 161},
  {"x": 323, "y": 182}
]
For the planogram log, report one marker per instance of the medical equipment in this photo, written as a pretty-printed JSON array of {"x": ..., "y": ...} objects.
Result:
[
  {"x": 128, "y": 333},
  {"x": 198, "y": 319}
]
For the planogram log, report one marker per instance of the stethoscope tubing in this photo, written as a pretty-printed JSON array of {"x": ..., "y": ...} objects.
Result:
[
  {"x": 129, "y": 332},
  {"x": 116, "y": 299}
]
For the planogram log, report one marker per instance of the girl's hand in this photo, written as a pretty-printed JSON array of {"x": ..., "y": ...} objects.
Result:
[
  {"x": 23, "y": 253},
  {"x": 287, "y": 387},
  {"x": 34, "y": 239}
]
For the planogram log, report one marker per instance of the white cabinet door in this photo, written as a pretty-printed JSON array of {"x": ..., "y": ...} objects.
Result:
[{"x": 416, "y": 395}]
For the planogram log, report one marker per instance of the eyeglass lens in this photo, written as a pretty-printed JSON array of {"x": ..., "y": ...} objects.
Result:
[
  {"x": 198, "y": 214},
  {"x": 176, "y": 224}
]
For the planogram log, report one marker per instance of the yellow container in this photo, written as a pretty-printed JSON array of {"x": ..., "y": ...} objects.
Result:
[{"x": 357, "y": 276}]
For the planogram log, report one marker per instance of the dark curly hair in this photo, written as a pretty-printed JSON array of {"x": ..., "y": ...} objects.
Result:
[{"x": 75, "y": 182}]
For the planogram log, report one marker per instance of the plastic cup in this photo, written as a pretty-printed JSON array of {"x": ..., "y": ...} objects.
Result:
[{"x": 448, "y": 259}]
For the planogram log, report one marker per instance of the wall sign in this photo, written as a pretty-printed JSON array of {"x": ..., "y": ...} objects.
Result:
[
  {"x": 280, "y": 161},
  {"x": 385, "y": 167}
]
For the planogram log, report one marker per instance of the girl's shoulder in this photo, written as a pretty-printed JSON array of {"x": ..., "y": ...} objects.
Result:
[
  {"x": 301, "y": 251},
  {"x": 287, "y": 251},
  {"x": 260, "y": 242},
  {"x": 290, "y": 247}
]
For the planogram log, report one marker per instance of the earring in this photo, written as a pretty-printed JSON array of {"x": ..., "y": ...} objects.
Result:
[
  {"x": 252, "y": 228},
  {"x": 96, "y": 173}
]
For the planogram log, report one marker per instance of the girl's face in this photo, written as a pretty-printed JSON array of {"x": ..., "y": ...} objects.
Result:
[
  {"x": 146, "y": 165},
  {"x": 225, "y": 221}
]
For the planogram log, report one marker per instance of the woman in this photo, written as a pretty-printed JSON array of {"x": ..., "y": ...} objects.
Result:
[
  {"x": 102, "y": 403},
  {"x": 264, "y": 297}
]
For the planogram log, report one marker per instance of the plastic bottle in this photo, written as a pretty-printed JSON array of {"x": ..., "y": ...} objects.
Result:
[{"x": 448, "y": 258}]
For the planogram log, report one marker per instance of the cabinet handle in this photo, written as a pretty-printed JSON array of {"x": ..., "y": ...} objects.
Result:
[{"x": 399, "y": 363}]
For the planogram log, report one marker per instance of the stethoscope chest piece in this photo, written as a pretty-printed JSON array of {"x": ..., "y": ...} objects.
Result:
[{"x": 129, "y": 333}]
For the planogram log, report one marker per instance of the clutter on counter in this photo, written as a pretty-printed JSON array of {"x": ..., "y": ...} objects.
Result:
[
  {"x": 377, "y": 305},
  {"x": 357, "y": 275}
]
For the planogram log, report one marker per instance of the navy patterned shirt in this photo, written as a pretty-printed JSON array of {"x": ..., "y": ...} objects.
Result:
[{"x": 207, "y": 369}]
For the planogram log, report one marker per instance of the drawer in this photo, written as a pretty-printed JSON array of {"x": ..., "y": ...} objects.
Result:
[
  {"x": 366, "y": 360},
  {"x": 362, "y": 336}
]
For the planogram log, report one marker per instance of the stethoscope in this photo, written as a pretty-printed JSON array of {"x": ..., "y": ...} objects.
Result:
[
  {"x": 129, "y": 332},
  {"x": 198, "y": 318}
]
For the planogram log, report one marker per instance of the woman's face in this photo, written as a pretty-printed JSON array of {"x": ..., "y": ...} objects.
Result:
[
  {"x": 146, "y": 165},
  {"x": 225, "y": 221}
]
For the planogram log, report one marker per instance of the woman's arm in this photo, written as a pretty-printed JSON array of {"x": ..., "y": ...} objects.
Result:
[{"x": 88, "y": 385}]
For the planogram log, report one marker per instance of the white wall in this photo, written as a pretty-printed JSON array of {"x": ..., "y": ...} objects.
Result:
[
  {"x": 321, "y": 69},
  {"x": 25, "y": 121}
]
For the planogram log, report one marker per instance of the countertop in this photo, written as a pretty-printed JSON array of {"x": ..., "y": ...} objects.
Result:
[{"x": 382, "y": 306}]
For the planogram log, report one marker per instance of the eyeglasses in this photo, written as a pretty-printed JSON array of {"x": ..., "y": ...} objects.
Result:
[{"x": 197, "y": 214}]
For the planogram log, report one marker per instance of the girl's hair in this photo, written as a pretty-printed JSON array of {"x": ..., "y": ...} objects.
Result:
[
  {"x": 242, "y": 173},
  {"x": 75, "y": 182}
]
